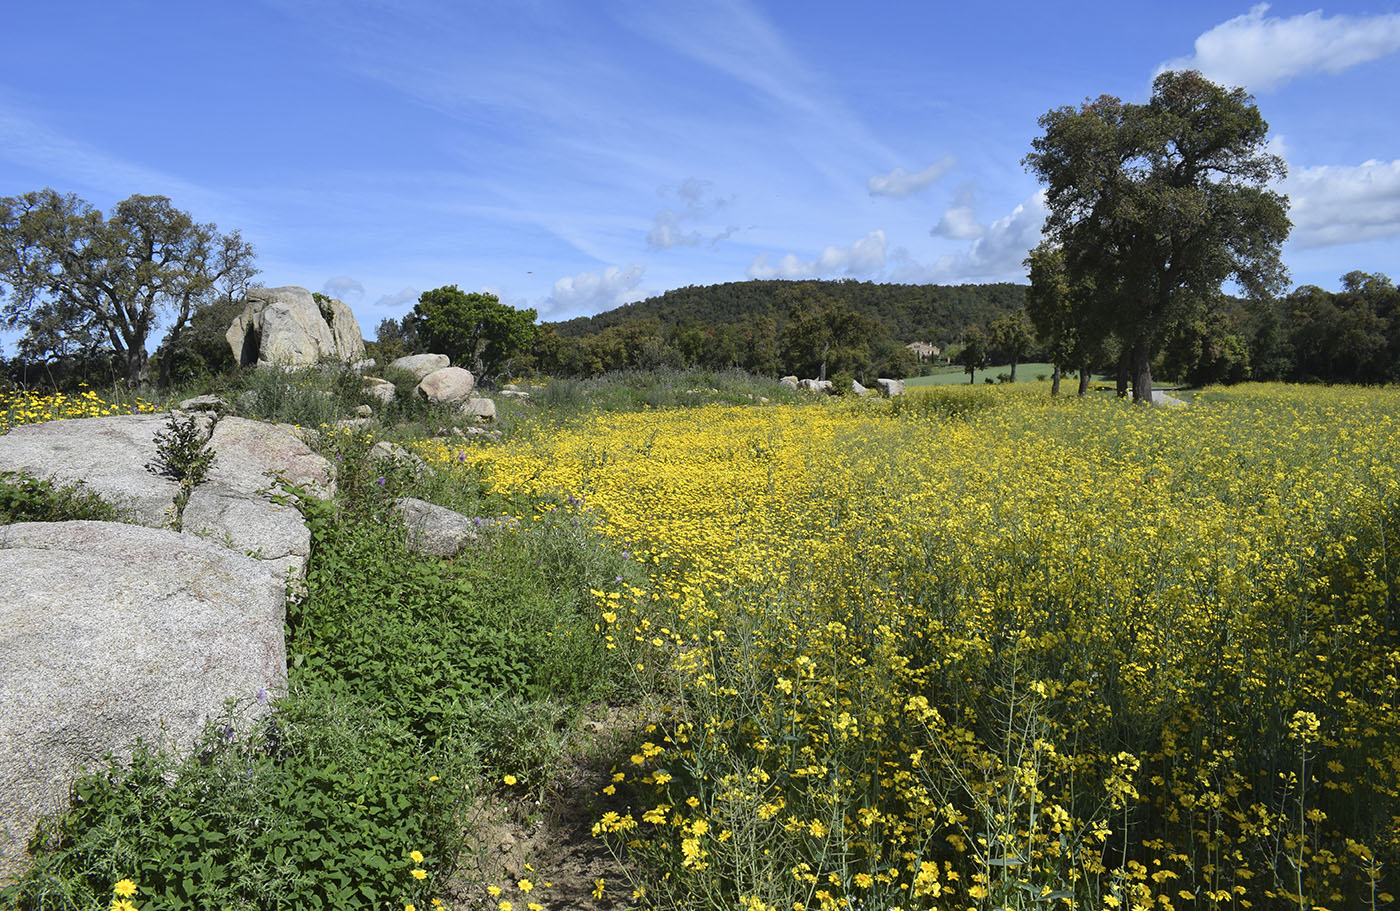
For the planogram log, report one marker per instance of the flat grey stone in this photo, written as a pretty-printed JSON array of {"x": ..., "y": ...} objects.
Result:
[
  {"x": 109, "y": 455},
  {"x": 112, "y": 632},
  {"x": 420, "y": 365},
  {"x": 434, "y": 529}
]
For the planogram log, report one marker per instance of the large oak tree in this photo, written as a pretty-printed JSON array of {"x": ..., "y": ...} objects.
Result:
[
  {"x": 1156, "y": 205},
  {"x": 68, "y": 273}
]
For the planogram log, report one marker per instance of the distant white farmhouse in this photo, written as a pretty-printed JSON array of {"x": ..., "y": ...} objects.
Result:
[{"x": 923, "y": 350}]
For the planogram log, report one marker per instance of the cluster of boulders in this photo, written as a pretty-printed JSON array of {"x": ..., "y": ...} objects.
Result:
[
  {"x": 115, "y": 632},
  {"x": 439, "y": 382},
  {"x": 145, "y": 629},
  {"x": 887, "y": 387}
]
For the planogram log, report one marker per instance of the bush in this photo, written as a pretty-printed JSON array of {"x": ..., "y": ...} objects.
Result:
[{"x": 27, "y": 499}]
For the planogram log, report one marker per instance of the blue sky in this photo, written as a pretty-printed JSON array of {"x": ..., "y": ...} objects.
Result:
[{"x": 573, "y": 156}]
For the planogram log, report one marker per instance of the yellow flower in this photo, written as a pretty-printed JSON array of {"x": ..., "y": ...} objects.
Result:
[
  {"x": 122, "y": 904},
  {"x": 599, "y": 887},
  {"x": 416, "y": 856},
  {"x": 509, "y": 779},
  {"x": 125, "y": 888},
  {"x": 525, "y": 885},
  {"x": 494, "y": 890},
  {"x": 410, "y": 907},
  {"x": 419, "y": 873},
  {"x": 504, "y": 905}
]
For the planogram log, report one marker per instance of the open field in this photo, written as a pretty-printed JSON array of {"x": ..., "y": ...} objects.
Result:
[
  {"x": 969, "y": 648},
  {"x": 1072, "y": 649},
  {"x": 952, "y": 376}
]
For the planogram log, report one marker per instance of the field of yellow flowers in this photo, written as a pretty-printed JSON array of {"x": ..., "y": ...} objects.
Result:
[
  {"x": 983, "y": 649},
  {"x": 24, "y": 407}
]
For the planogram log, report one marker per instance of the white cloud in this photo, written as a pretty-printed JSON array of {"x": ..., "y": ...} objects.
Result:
[
  {"x": 700, "y": 203},
  {"x": 1262, "y": 53},
  {"x": 397, "y": 299},
  {"x": 995, "y": 255},
  {"x": 864, "y": 257},
  {"x": 343, "y": 286},
  {"x": 958, "y": 223},
  {"x": 899, "y": 183},
  {"x": 1340, "y": 204},
  {"x": 665, "y": 232},
  {"x": 592, "y": 292}
]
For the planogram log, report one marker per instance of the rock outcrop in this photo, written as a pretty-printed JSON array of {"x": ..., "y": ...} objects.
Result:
[
  {"x": 115, "y": 632},
  {"x": 481, "y": 408},
  {"x": 447, "y": 385},
  {"x": 287, "y": 327},
  {"x": 111, "y": 455},
  {"x": 889, "y": 388},
  {"x": 436, "y": 530},
  {"x": 420, "y": 365}
]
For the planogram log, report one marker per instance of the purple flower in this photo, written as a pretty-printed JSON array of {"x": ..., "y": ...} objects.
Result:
[
  {"x": 626, "y": 555},
  {"x": 263, "y": 698},
  {"x": 381, "y": 481}
]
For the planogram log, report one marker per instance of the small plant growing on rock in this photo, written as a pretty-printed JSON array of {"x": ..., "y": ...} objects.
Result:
[{"x": 182, "y": 454}]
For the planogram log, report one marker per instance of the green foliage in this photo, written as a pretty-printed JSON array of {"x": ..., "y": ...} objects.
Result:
[
  {"x": 200, "y": 352},
  {"x": 181, "y": 453},
  {"x": 1155, "y": 205},
  {"x": 317, "y": 806},
  {"x": 821, "y": 336},
  {"x": 475, "y": 330},
  {"x": 73, "y": 275},
  {"x": 308, "y": 398},
  {"x": 974, "y": 352},
  {"x": 27, "y": 499},
  {"x": 907, "y": 312}
]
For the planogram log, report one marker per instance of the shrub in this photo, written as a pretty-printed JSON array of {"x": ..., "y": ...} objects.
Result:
[{"x": 27, "y": 499}]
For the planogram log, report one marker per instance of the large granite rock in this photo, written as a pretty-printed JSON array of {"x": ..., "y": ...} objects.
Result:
[
  {"x": 481, "y": 408},
  {"x": 447, "y": 385},
  {"x": 286, "y": 327},
  {"x": 345, "y": 332},
  {"x": 890, "y": 388},
  {"x": 112, "y": 632},
  {"x": 420, "y": 365},
  {"x": 435, "y": 529},
  {"x": 233, "y": 506}
]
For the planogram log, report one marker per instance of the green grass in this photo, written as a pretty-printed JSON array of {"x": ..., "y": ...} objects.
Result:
[
  {"x": 416, "y": 684},
  {"x": 1025, "y": 373}
]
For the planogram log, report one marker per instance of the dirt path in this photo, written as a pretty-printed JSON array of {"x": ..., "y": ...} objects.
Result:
[{"x": 541, "y": 853}]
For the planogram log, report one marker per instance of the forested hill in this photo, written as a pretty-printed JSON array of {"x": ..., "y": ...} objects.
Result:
[{"x": 932, "y": 313}]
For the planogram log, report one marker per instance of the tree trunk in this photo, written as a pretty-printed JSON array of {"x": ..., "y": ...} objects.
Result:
[
  {"x": 1055, "y": 381},
  {"x": 136, "y": 372},
  {"x": 1084, "y": 376},
  {"x": 1013, "y": 369},
  {"x": 1142, "y": 373}
]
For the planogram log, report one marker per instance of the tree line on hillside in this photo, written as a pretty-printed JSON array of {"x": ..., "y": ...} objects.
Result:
[{"x": 88, "y": 291}]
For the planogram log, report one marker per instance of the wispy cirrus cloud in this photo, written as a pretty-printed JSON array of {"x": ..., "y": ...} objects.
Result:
[
  {"x": 1262, "y": 52},
  {"x": 697, "y": 203},
  {"x": 343, "y": 286},
  {"x": 901, "y": 184}
]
